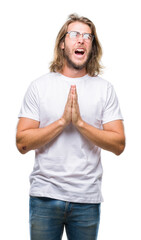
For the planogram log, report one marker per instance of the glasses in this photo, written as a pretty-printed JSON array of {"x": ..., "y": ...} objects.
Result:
[{"x": 75, "y": 35}]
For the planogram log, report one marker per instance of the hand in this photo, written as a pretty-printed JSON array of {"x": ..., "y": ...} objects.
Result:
[
  {"x": 76, "y": 118},
  {"x": 67, "y": 115}
]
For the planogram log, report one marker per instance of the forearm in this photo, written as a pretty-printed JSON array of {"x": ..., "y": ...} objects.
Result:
[
  {"x": 31, "y": 139},
  {"x": 108, "y": 140}
]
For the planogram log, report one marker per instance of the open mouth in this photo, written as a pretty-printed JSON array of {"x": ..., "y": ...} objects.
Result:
[{"x": 79, "y": 52}]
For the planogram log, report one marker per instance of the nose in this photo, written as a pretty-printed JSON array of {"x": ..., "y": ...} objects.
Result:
[{"x": 80, "y": 39}]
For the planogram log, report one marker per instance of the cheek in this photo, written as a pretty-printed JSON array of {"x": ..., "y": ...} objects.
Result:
[
  {"x": 69, "y": 45},
  {"x": 68, "y": 50},
  {"x": 89, "y": 48}
]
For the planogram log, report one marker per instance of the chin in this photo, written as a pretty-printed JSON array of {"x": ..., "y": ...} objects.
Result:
[{"x": 78, "y": 65}]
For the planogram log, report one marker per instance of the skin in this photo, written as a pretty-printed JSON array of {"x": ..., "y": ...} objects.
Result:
[
  {"x": 29, "y": 136},
  {"x": 69, "y": 46}
]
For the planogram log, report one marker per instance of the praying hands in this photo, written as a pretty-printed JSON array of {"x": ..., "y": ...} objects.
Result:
[{"x": 71, "y": 112}]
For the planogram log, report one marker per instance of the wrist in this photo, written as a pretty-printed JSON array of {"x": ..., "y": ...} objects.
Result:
[
  {"x": 63, "y": 122},
  {"x": 79, "y": 123}
]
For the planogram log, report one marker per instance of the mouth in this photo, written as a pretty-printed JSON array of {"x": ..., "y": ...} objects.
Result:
[{"x": 79, "y": 51}]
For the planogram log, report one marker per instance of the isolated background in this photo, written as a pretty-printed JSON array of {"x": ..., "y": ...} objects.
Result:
[{"x": 28, "y": 30}]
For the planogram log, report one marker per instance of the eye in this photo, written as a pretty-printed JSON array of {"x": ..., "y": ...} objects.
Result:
[
  {"x": 73, "y": 34},
  {"x": 86, "y": 36}
]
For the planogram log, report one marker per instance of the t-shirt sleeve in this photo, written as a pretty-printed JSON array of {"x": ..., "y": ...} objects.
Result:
[
  {"x": 111, "y": 110},
  {"x": 30, "y": 104}
]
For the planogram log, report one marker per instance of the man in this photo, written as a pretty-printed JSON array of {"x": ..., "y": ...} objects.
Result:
[{"x": 67, "y": 116}]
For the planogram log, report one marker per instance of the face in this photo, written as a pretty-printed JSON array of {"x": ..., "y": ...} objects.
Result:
[{"x": 77, "y": 51}]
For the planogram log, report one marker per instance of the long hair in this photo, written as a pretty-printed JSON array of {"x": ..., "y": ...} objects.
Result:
[{"x": 93, "y": 66}]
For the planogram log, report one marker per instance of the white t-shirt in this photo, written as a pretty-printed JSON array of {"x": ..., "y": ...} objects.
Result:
[{"x": 69, "y": 167}]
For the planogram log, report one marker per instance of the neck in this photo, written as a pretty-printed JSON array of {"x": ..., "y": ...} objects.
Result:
[{"x": 73, "y": 73}]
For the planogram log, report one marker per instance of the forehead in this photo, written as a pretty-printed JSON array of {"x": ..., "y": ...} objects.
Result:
[{"x": 79, "y": 27}]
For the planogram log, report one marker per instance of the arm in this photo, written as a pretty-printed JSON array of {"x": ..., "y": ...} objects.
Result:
[
  {"x": 110, "y": 138},
  {"x": 29, "y": 136}
]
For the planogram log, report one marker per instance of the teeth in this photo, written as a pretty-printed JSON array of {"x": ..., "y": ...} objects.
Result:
[{"x": 80, "y": 50}]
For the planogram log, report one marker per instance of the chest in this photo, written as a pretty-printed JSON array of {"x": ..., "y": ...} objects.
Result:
[{"x": 53, "y": 100}]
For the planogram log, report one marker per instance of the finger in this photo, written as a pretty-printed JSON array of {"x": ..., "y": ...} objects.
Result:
[
  {"x": 75, "y": 94},
  {"x": 75, "y": 91},
  {"x": 73, "y": 87},
  {"x": 74, "y": 100},
  {"x": 69, "y": 100}
]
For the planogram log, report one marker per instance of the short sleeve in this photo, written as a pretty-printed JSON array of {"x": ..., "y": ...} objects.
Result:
[
  {"x": 111, "y": 109},
  {"x": 30, "y": 105}
]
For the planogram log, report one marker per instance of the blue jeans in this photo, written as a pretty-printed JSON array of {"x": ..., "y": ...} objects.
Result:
[{"x": 48, "y": 217}]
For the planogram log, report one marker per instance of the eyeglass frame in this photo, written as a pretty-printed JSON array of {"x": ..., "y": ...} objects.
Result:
[{"x": 91, "y": 35}]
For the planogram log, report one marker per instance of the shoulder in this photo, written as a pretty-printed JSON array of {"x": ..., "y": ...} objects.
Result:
[
  {"x": 99, "y": 83},
  {"x": 43, "y": 82},
  {"x": 44, "y": 78}
]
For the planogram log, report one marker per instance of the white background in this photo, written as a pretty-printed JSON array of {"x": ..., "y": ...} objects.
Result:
[{"x": 28, "y": 30}]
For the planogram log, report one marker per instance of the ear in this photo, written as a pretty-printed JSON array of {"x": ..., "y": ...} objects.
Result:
[{"x": 62, "y": 45}]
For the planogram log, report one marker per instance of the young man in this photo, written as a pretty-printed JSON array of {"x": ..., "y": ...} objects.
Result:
[{"x": 67, "y": 116}]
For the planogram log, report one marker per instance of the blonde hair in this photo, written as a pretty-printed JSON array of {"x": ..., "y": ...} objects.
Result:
[{"x": 93, "y": 66}]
